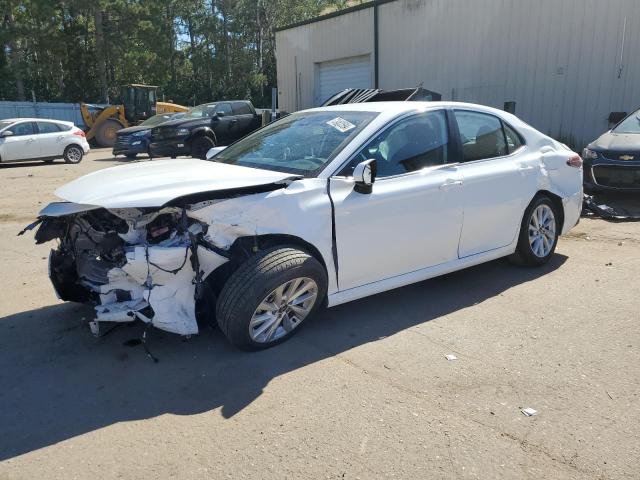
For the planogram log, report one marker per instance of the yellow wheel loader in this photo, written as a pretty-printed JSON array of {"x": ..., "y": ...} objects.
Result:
[{"x": 139, "y": 102}]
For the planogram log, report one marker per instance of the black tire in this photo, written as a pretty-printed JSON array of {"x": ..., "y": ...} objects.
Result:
[
  {"x": 106, "y": 132},
  {"x": 131, "y": 156},
  {"x": 254, "y": 281},
  {"x": 200, "y": 146},
  {"x": 73, "y": 154},
  {"x": 524, "y": 254}
]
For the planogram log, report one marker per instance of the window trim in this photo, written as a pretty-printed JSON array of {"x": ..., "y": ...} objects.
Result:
[
  {"x": 37, "y": 127},
  {"x": 502, "y": 124},
  {"x": 383, "y": 129},
  {"x": 34, "y": 127}
]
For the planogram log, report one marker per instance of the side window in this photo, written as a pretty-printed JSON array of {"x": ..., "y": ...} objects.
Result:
[
  {"x": 224, "y": 108},
  {"x": 241, "y": 108},
  {"x": 47, "y": 127},
  {"x": 412, "y": 144},
  {"x": 514, "y": 140},
  {"x": 481, "y": 135},
  {"x": 20, "y": 129}
]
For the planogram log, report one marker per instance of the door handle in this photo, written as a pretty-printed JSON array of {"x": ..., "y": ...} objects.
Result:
[
  {"x": 524, "y": 166},
  {"x": 234, "y": 121},
  {"x": 450, "y": 182}
]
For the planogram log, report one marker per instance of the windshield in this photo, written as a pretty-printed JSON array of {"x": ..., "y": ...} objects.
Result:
[
  {"x": 5, "y": 123},
  {"x": 201, "y": 111},
  {"x": 301, "y": 143},
  {"x": 631, "y": 124},
  {"x": 156, "y": 120}
]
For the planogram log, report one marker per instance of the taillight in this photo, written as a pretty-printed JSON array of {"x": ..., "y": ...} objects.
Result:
[
  {"x": 575, "y": 161},
  {"x": 79, "y": 133}
]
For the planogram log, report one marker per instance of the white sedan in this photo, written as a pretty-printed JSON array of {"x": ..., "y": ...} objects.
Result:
[
  {"x": 324, "y": 206},
  {"x": 40, "y": 139}
]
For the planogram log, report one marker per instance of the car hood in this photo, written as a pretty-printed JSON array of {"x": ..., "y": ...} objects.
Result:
[
  {"x": 617, "y": 141},
  {"x": 155, "y": 183},
  {"x": 185, "y": 122},
  {"x": 130, "y": 130}
]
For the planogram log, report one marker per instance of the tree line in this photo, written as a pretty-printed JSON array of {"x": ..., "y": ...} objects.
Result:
[{"x": 193, "y": 50}]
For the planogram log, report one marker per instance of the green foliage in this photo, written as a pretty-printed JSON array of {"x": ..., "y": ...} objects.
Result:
[{"x": 194, "y": 50}]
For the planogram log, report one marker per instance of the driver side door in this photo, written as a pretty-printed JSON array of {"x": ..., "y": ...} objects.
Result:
[
  {"x": 22, "y": 145},
  {"x": 412, "y": 218}
]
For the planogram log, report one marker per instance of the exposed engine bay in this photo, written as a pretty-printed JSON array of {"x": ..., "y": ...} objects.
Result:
[{"x": 145, "y": 264}]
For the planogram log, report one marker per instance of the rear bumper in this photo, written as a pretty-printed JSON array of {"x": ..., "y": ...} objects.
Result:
[
  {"x": 85, "y": 147},
  {"x": 572, "y": 210}
]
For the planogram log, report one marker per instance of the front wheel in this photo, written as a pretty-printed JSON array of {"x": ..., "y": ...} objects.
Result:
[
  {"x": 266, "y": 300},
  {"x": 538, "y": 233},
  {"x": 73, "y": 154},
  {"x": 201, "y": 146}
]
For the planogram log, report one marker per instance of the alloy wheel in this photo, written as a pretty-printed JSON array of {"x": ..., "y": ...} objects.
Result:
[
  {"x": 74, "y": 155},
  {"x": 283, "y": 310},
  {"x": 542, "y": 230}
]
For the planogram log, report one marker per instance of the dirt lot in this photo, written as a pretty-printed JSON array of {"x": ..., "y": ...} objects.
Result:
[{"x": 364, "y": 391}]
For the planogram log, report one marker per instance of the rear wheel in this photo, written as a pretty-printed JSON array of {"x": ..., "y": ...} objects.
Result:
[
  {"x": 266, "y": 300},
  {"x": 538, "y": 233},
  {"x": 106, "y": 132},
  {"x": 73, "y": 154},
  {"x": 200, "y": 146}
]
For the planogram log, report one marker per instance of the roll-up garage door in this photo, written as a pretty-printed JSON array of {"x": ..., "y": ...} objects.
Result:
[{"x": 336, "y": 75}]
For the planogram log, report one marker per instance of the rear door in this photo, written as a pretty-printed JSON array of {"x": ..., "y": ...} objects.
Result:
[
  {"x": 500, "y": 178},
  {"x": 245, "y": 116},
  {"x": 22, "y": 144},
  {"x": 50, "y": 139},
  {"x": 224, "y": 126}
]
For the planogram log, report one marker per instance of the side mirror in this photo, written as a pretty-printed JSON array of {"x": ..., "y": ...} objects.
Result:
[
  {"x": 364, "y": 175},
  {"x": 6, "y": 133},
  {"x": 218, "y": 115}
]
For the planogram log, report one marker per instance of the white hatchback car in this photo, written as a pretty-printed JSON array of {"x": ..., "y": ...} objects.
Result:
[
  {"x": 40, "y": 139},
  {"x": 324, "y": 206}
]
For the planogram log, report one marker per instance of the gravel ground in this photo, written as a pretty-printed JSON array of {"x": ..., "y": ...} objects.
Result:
[{"x": 363, "y": 391}]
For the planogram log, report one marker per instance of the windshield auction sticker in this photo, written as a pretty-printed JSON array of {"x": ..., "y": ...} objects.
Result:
[{"x": 341, "y": 124}]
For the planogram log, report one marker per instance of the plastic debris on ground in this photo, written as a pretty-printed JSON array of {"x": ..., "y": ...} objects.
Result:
[
  {"x": 529, "y": 412},
  {"x": 450, "y": 357}
]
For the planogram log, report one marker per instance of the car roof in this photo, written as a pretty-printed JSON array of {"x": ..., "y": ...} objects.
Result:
[
  {"x": 27, "y": 119},
  {"x": 399, "y": 107}
]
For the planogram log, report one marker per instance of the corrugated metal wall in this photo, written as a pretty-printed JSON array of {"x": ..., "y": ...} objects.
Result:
[
  {"x": 69, "y": 112},
  {"x": 563, "y": 62},
  {"x": 299, "y": 51}
]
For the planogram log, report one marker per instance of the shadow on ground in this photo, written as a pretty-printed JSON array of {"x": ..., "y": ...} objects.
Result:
[
  {"x": 58, "y": 381},
  {"x": 34, "y": 163}
]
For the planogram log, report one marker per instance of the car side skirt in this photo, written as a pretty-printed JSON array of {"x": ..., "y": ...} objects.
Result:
[{"x": 417, "y": 276}]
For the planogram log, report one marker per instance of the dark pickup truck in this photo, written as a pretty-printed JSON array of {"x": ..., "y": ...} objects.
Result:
[{"x": 203, "y": 127}]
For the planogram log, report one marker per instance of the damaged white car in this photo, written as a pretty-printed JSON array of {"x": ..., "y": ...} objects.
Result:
[{"x": 322, "y": 207}]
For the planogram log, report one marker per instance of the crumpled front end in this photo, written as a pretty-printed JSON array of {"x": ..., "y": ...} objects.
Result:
[{"x": 147, "y": 264}]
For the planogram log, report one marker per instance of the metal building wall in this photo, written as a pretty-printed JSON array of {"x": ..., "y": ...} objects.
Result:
[
  {"x": 566, "y": 63},
  {"x": 300, "y": 49}
]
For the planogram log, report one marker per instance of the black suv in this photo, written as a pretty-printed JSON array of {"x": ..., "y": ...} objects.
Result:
[{"x": 203, "y": 127}]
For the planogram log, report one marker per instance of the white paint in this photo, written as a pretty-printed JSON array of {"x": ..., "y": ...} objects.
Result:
[
  {"x": 152, "y": 184},
  {"x": 37, "y": 144},
  {"x": 410, "y": 228}
]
